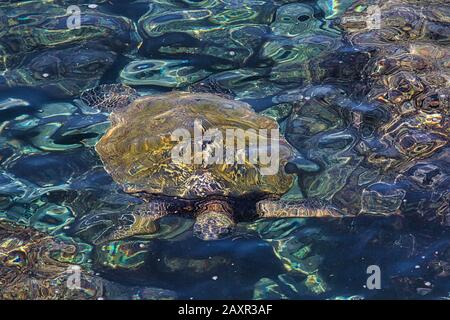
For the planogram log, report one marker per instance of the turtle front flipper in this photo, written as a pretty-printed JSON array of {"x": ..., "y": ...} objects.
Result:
[
  {"x": 296, "y": 209},
  {"x": 214, "y": 220},
  {"x": 141, "y": 221}
]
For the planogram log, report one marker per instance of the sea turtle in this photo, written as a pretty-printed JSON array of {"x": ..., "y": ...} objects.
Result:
[
  {"x": 137, "y": 151},
  {"x": 34, "y": 265}
]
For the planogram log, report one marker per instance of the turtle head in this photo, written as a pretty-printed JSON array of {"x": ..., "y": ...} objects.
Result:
[
  {"x": 214, "y": 221},
  {"x": 109, "y": 97}
]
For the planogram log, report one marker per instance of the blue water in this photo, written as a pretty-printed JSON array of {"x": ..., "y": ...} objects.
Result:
[{"x": 265, "y": 53}]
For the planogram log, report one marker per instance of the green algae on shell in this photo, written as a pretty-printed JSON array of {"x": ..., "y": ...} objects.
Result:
[{"x": 137, "y": 149}]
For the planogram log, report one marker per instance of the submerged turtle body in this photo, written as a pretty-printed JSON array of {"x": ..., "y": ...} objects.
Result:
[{"x": 140, "y": 153}]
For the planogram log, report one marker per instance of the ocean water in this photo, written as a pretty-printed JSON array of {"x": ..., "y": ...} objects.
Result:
[{"x": 360, "y": 88}]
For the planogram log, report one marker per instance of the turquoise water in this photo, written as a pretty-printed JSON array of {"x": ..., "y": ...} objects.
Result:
[{"x": 371, "y": 110}]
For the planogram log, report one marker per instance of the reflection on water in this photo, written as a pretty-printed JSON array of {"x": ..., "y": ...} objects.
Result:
[{"x": 368, "y": 105}]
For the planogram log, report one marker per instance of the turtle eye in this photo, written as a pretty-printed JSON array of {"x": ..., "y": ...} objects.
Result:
[{"x": 16, "y": 259}]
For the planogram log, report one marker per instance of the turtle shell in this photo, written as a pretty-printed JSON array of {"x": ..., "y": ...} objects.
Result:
[{"x": 137, "y": 149}]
